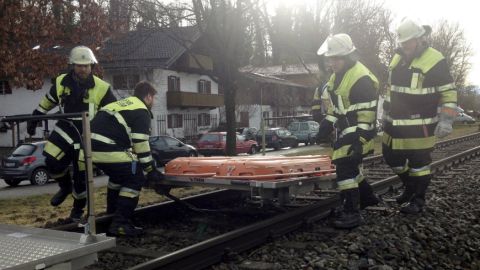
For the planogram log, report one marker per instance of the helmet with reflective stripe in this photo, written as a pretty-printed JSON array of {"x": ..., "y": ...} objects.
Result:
[
  {"x": 409, "y": 29},
  {"x": 337, "y": 45},
  {"x": 82, "y": 55}
]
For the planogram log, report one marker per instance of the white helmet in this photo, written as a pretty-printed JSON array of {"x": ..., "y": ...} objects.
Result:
[
  {"x": 409, "y": 29},
  {"x": 337, "y": 45},
  {"x": 82, "y": 55}
]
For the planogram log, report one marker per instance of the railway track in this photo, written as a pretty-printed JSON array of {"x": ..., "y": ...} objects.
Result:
[{"x": 178, "y": 238}]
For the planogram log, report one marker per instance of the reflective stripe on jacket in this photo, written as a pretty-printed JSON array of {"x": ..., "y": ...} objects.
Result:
[
  {"x": 352, "y": 107},
  {"x": 120, "y": 133},
  {"x": 414, "y": 93}
]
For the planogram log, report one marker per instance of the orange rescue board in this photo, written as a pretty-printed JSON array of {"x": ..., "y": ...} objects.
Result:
[{"x": 251, "y": 168}]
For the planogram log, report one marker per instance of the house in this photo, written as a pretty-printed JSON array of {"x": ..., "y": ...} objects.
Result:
[
  {"x": 275, "y": 91},
  {"x": 14, "y": 101},
  {"x": 188, "y": 98},
  {"x": 188, "y": 94}
]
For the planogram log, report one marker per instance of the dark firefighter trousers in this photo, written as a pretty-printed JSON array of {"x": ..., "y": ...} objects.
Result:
[
  {"x": 58, "y": 167},
  {"x": 124, "y": 186},
  {"x": 412, "y": 166}
]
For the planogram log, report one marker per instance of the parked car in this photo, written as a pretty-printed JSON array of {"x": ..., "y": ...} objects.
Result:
[
  {"x": 305, "y": 131},
  {"x": 464, "y": 118},
  {"x": 26, "y": 162},
  {"x": 214, "y": 143},
  {"x": 250, "y": 133},
  {"x": 277, "y": 138},
  {"x": 165, "y": 148}
]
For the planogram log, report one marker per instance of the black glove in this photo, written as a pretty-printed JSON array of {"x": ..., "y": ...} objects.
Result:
[
  {"x": 154, "y": 177},
  {"x": 32, "y": 127},
  {"x": 355, "y": 152},
  {"x": 325, "y": 129},
  {"x": 154, "y": 181},
  {"x": 33, "y": 124}
]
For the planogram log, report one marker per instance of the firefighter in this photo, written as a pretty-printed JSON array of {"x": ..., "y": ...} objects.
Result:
[
  {"x": 352, "y": 102},
  {"x": 420, "y": 104},
  {"x": 120, "y": 148},
  {"x": 76, "y": 91}
]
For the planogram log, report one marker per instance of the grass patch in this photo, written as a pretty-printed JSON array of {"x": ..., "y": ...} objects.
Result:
[{"x": 36, "y": 210}]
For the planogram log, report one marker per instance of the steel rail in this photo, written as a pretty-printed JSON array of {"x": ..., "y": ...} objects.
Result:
[
  {"x": 212, "y": 251},
  {"x": 164, "y": 208}
]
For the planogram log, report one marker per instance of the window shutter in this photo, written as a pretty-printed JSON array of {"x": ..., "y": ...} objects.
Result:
[
  {"x": 209, "y": 87},
  {"x": 170, "y": 87},
  {"x": 178, "y": 83}
]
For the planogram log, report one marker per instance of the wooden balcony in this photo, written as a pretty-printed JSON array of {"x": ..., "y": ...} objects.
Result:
[{"x": 188, "y": 99}]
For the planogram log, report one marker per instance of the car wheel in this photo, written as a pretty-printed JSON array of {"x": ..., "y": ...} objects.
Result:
[
  {"x": 295, "y": 144},
  {"x": 192, "y": 154},
  {"x": 277, "y": 146},
  {"x": 12, "y": 182},
  {"x": 253, "y": 150},
  {"x": 39, "y": 177}
]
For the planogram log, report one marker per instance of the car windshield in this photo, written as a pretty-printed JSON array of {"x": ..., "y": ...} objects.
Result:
[
  {"x": 24, "y": 150},
  {"x": 293, "y": 127},
  {"x": 209, "y": 138}
]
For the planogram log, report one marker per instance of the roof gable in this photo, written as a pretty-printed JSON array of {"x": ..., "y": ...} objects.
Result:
[{"x": 148, "y": 47}]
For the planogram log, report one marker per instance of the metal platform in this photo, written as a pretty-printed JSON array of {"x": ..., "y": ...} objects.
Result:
[
  {"x": 280, "y": 189},
  {"x": 35, "y": 248}
]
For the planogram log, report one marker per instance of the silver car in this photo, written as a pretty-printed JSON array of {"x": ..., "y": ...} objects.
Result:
[{"x": 25, "y": 163}]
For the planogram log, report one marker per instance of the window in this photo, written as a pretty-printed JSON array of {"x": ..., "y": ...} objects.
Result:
[
  {"x": 172, "y": 142},
  {"x": 157, "y": 142},
  {"x": 5, "y": 88},
  {"x": 244, "y": 119},
  {"x": 204, "y": 87},
  {"x": 204, "y": 119},
  {"x": 266, "y": 115},
  {"x": 175, "y": 121},
  {"x": 125, "y": 81},
  {"x": 173, "y": 83}
]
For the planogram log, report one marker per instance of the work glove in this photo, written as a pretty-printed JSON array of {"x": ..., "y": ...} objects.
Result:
[
  {"x": 33, "y": 124},
  {"x": 446, "y": 117},
  {"x": 355, "y": 152},
  {"x": 154, "y": 181},
  {"x": 325, "y": 129}
]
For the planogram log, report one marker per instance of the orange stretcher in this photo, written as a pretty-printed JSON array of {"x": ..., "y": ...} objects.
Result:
[
  {"x": 251, "y": 168},
  {"x": 266, "y": 177}
]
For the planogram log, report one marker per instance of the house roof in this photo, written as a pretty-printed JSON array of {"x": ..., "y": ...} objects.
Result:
[
  {"x": 282, "y": 70},
  {"x": 148, "y": 47}
]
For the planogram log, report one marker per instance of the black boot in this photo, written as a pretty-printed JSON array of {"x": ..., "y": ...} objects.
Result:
[
  {"x": 76, "y": 214},
  {"x": 350, "y": 217},
  {"x": 122, "y": 224},
  {"x": 409, "y": 189},
  {"x": 77, "y": 210},
  {"x": 65, "y": 184},
  {"x": 367, "y": 196},
  {"x": 417, "y": 203}
]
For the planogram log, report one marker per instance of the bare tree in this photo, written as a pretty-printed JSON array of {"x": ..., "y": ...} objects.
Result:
[
  {"x": 368, "y": 23},
  {"x": 222, "y": 23},
  {"x": 449, "y": 38}
]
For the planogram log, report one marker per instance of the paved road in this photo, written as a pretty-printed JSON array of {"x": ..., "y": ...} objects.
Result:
[{"x": 25, "y": 189}]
